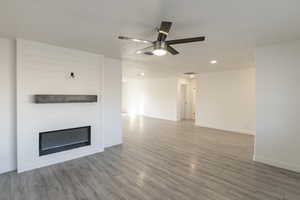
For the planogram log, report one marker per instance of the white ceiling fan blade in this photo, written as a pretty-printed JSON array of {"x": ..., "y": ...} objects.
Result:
[
  {"x": 147, "y": 51},
  {"x": 135, "y": 40}
]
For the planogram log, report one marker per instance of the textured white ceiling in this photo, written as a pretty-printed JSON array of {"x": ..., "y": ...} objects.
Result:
[{"x": 233, "y": 28}]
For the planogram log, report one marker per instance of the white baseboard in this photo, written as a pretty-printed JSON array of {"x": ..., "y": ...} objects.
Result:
[
  {"x": 276, "y": 163},
  {"x": 33, "y": 166},
  {"x": 158, "y": 117},
  {"x": 241, "y": 131},
  {"x": 112, "y": 145},
  {"x": 7, "y": 170}
]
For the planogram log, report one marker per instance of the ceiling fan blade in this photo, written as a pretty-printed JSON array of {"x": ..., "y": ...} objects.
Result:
[
  {"x": 172, "y": 50},
  {"x": 185, "y": 40},
  {"x": 164, "y": 30},
  {"x": 135, "y": 40},
  {"x": 147, "y": 51}
]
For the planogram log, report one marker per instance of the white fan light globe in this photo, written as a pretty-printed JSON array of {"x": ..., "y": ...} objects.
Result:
[{"x": 159, "y": 52}]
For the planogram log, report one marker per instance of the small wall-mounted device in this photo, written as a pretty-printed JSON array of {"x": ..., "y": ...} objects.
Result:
[{"x": 72, "y": 75}]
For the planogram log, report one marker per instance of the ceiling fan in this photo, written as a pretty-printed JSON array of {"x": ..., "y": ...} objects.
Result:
[{"x": 161, "y": 46}]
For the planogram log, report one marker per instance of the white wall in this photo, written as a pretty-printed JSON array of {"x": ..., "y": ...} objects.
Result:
[
  {"x": 7, "y": 106},
  {"x": 124, "y": 97},
  {"x": 278, "y": 105},
  {"x": 112, "y": 123},
  {"x": 153, "y": 97},
  {"x": 226, "y": 100}
]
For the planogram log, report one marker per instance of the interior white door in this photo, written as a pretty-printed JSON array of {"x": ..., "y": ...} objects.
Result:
[
  {"x": 193, "y": 95},
  {"x": 183, "y": 101}
]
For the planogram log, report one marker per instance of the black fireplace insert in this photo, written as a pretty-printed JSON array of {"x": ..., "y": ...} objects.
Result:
[{"x": 62, "y": 140}]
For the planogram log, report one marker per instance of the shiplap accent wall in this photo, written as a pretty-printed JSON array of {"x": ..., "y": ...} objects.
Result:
[{"x": 45, "y": 69}]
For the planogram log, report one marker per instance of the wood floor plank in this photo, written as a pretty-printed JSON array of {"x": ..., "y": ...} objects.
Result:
[
  {"x": 5, "y": 182},
  {"x": 160, "y": 160}
]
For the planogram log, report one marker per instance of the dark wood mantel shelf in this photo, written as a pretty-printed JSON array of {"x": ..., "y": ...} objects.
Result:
[{"x": 51, "y": 98}]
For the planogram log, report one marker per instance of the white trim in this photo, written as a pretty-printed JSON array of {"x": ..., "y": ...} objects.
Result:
[
  {"x": 241, "y": 131},
  {"x": 70, "y": 156},
  {"x": 112, "y": 145},
  {"x": 163, "y": 118},
  {"x": 276, "y": 163}
]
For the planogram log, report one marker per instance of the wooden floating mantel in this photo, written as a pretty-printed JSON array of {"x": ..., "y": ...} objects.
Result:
[{"x": 50, "y": 98}]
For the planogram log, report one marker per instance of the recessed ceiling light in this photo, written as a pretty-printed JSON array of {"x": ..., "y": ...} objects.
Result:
[
  {"x": 142, "y": 74},
  {"x": 138, "y": 52},
  {"x": 213, "y": 62},
  {"x": 159, "y": 52}
]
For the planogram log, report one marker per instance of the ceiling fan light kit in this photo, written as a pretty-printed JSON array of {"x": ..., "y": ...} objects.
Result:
[
  {"x": 159, "y": 52},
  {"x": 159, "y": 49},
  {"x": 161, "y": 46}
]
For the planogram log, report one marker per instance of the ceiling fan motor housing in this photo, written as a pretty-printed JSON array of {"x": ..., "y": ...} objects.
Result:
[{"x": 159, "y": 45}]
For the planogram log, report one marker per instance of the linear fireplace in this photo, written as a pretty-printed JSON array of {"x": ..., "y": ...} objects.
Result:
[{"x": 62, "y": 140}]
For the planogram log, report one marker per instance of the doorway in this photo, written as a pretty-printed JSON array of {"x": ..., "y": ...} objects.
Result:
[
  {"x": 187, "y": 101},
  {"x": 183, "y": 102}
]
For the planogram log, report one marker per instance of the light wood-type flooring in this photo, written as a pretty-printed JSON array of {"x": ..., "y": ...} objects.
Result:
[{"x": 159, "y": 160}]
